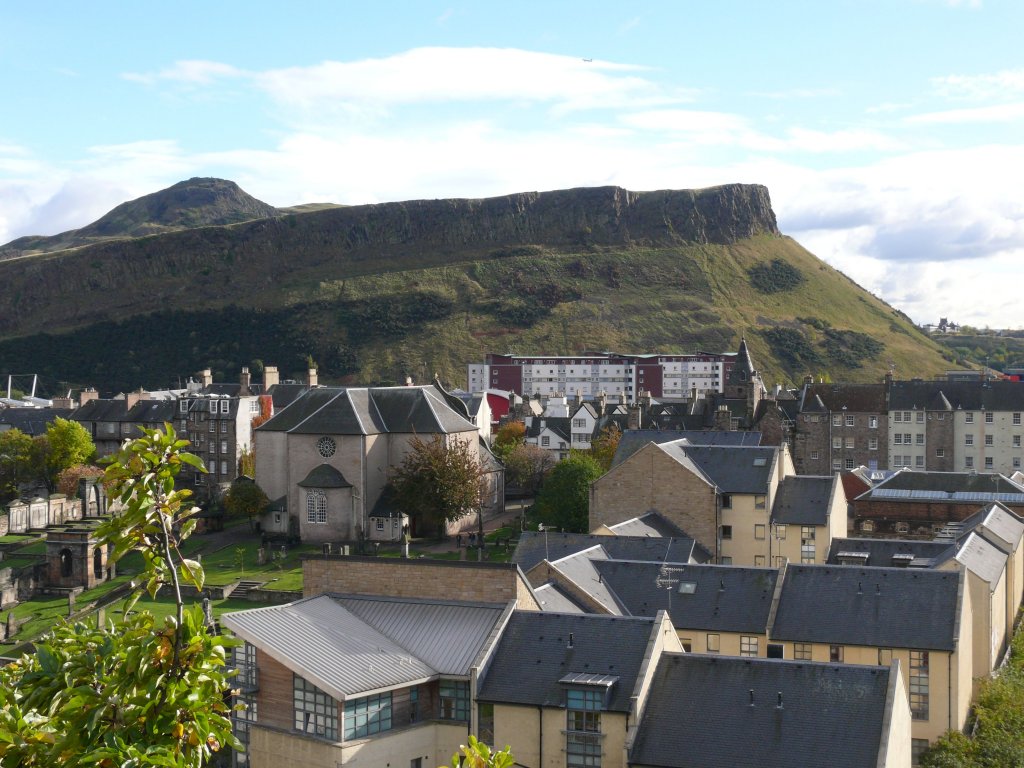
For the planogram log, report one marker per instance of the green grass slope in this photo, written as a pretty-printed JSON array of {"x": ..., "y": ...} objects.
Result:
[{"x": 395, "y": 319}]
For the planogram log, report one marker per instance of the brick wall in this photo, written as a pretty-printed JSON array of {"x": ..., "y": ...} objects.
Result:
[
  {"x": 430, "y": 579},
  {"x": 921, "y": 516}
]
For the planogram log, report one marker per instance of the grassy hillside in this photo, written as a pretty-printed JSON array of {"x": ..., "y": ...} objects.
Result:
[{"x": 799, "y": 315}]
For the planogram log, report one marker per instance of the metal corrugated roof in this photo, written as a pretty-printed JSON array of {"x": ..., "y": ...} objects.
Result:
[
  {"x": 329, "y": 646},
  {"x": 446, "y": 636}
]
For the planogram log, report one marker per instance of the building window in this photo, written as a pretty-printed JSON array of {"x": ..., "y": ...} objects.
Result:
[
  {"x": 897, "y": 438},
  {"x": 579, "y": 422},
  {"x": 545, "y": 441},
  {"x": 884, "y": 656},
  {"x": 920, "y": 417},
  {"x": 835, "y": 654},
  {"x": 919, "y": 462},
  {"x": 873, "y": 422},
  {"x": 183, "y": 407},
  {"x": 906, "y": 438},
  {"x": 969, "y": 462},
  {"x": 906, "y": 416},
  {"x": 223, "y": 427},
  {"x": 315, "y": 711},
  {"x": 814, "y": 455},
  {"x": 989, "y": 417},
  {"x": 748, "y": 645},
  {"x": 780, "y": 532},
  {"x": 759, "y": 531},
  {"x": 485, "y": 719},
  {"x": 849, "y": 420},
  {"x": 254, "y": 406},
  {"x": 802, "y": 651},
  {"x": 940, "y": 453},
  {"x": 759, "y": 501},
  {"x": 316, "y": 507},
  {"x": 1016, "y": 418},
  {"x": 212, "y": 424},
  {"x": 837, "y": 420},
  {"x": 989, "y": 440},
  {"x": 758, "y": 561},
  {"x": 968, "y": 439},
  {"x": 872, "y": 443},
  {"x": 223, "y": 446},
  {"x": 850, "y": 464},
  {"x": 583, "y": 728},
  {"x": 849, "y": 442},
  {"x": 837, "y": 464},
  {"x": 1016, "y": 462},
  {"x": 806, "y": 543},
  {"x": 919, "y": 685},
  {"x": 897, "y": 416},
  {"x": 917, "y": 748},
  {"x": 919, "y": 439},
  {"x": 726, "y": 532},
  {"x": 455, "y": 700},
  {"x": 713, "y": 643},
  {"x": 726, "y": 501},
  {"x": 225, "y": 406},
  {"x": 837, "y": 443},
  {"x": 968, "y": 418},
  {"x": 988, "y": 462},
  {"x": 367, "y": 716}
]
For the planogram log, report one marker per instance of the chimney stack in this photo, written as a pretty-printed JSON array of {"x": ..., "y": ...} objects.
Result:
[
  {"x": 206, "y": 377},
  {"x": 270, "y": 377},
  {"x": 86, "y": 395},
  {"x": 245, "y": 379},
  {"x": 312, "y": 379},
  {"x": 134, "y": 397}
]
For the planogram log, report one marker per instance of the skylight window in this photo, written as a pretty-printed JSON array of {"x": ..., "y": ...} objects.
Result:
[
  {"x": 760, "y": 462},
  {"x": 687, "y": 587}
]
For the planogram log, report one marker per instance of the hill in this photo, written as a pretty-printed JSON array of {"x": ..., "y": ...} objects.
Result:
[
  {"x": 374, "y": 293},
  {"x": 188, "y": 204}
]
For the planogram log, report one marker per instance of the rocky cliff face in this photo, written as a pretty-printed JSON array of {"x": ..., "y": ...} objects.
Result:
[{"x": 253, "y": 263}]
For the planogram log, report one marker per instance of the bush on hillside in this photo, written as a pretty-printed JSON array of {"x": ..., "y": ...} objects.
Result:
[{"x": 775, "y": 276}]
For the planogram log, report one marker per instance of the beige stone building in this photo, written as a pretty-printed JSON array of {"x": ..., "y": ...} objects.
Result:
[{"x": 329, "y": 456}]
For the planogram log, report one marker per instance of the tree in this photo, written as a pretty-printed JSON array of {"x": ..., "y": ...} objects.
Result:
[
  {"x": 245, "y": 498},
  {"x": 479, "y": 755},
  {"x": 605, "y": 444},
  {"x": 65, "y": 444},
  {"x": 564, "y": 499},
  {"x": 67, "y": 480},
  {"x": 438, "y": 481},
  {"x": 140, "y": 692},
  {"x": 15, "y": 462},
  {"x": 526, "y": 466},
  {"x": 508, "y": 437}
]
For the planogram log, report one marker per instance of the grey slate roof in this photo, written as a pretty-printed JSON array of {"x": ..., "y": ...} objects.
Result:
[
  {"x": 533, "y": 547},
  {"x": 324, "y": 476},
  {"x": 882, "y": 607},
  {"x": 855, "y": 398},
  {"x": 880, "y": 552},
  {"x": 723, "y": 598},
  {"x": 553, "y": 598},
  {"x": 361, "y": 411},
  {"x": 581, "y": 569},
  {"x": 534, "y": 654},
  {"x": 348, "y": 645},
  {"x": 803, "y": 500},
  {"x": 633, "y": 440},
  {"x": 699, "y": 714},
  {"x": 982, "y": 558},
  {"x": 958, "y": 395},
  {"x": 734, "y": 469},
  {"x": 32, "y": 421},
  {"x": 648, "y": 524}
]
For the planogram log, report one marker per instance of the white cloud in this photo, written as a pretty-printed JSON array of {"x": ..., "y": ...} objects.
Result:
[
  {"x": 188, "y": 72},
  {"x": 999, "y": 113},
  {"x": 986, "y": 86}
]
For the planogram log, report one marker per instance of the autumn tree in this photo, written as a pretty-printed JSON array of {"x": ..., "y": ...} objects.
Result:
[
  {"x": 526, "y": 466},
  {"x": 508, "y": 437},
  {"x": 141, "y": 691},
  {"x": 67, "y": 480},
  {"x": 603, "y": 447},
  {"x": 564, "y": 499},
  {"x": 439, "y": 481}
]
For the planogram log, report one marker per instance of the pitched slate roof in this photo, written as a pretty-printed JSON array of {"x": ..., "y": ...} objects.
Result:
[
  {"x": 552, "y": 597},
  {"x": 647, "y": 525},
  {"x": 633, "y": 440},
  {"x": 803, "y": 500},
  {"x": 714, "y": 598},
  {"x": 348, "y": 645},
  {"x": 581, "y": 569},
  {"x": 32, "y": 421},
  {"x": 324, "y": 476},
  {"x": 855, "y": 398},
  {"x": 957, "y": 395},
  {"x": 734, "y": 469},
  {"x": 152, "y": 411},
  {"x": 361, "y": 411},
  {"x": 880, "y": 552},
  {"x": 982, "y": 558},
  {"x": 699, "y": 714},
  {"x": 534, "y": 546},
  {"x": 538, "y": 649},
  {"x": 881, "y": 607},
  {"x": 101, "y": 410}
]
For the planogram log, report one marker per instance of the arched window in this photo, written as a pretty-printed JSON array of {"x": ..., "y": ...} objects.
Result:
[{"x": 316, "y": 507}]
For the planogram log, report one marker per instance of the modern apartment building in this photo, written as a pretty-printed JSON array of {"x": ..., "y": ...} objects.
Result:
[{"x": 589, "y": 374}]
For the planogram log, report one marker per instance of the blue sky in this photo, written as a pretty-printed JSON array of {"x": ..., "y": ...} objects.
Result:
[{"x": 889, "y": 132}]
